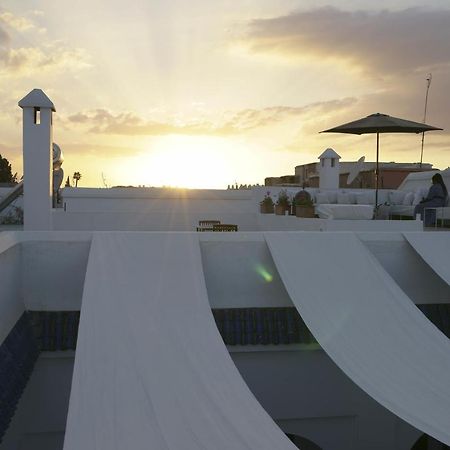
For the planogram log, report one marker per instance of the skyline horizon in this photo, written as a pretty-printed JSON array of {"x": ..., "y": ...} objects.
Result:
[{"x": 156, "y": 94}]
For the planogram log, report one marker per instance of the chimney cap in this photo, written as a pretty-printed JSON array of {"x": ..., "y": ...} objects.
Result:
[
  {"x": 329, "y": 153},
  {"x": 36, "y": 99}
]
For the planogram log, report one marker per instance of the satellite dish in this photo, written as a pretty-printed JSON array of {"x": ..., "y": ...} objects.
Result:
[
  {"x": 58, "y": 176},
  {"x": 58, "y": 157},
  {"x": 354, "y": 172},
  {"x": 58, "y": 172}
]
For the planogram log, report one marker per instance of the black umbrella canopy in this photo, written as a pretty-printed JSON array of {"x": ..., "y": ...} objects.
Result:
[{"x": 381, "y": 123}]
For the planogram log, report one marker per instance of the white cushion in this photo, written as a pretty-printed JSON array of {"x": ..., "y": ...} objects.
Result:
[
  {"x": 332, "y": 196},
  {"x": 419, "y": 195},
  {"x": 322, "y": 198},
  {"x": 343, "y": 198},
  {"x": 313, "y": 196},
  {"x": 409, "y": 197},
  {"x": 396, "y": 197},
  {"x": 352, "y": 197},
  {"x": 365, "y": 198}
]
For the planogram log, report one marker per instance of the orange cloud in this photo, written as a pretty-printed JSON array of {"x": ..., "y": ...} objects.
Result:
[{"x": 103, "y": 121}]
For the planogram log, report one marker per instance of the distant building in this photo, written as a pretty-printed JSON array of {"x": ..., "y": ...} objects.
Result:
[
  {"x": 392, "y": 175},
  {"x": 285, "y": 180}
]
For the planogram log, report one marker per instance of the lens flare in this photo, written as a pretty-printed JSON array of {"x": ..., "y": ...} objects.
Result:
[{"x": 265, "y": 274}]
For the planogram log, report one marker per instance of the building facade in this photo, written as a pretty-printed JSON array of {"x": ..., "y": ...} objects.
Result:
[{"x": 391, "y": 174}]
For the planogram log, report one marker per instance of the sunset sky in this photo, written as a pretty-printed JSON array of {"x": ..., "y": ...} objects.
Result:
[{"x": 205, "y": 93}]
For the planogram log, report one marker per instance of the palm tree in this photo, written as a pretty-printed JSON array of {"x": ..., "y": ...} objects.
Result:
[{"x": 76, "y": 177}]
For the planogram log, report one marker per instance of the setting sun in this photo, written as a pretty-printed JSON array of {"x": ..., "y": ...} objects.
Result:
[{"x": 183, "y": 161}]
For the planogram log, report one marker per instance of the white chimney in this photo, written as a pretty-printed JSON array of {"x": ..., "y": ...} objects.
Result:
[
  {"x": 37, "y": 160},
  {"x": 329, "y": 169}
]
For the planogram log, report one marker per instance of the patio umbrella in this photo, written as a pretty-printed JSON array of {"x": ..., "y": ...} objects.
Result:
[{"x": 381, "y": 123}]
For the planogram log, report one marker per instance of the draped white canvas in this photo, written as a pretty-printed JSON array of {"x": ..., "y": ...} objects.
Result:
[
  {"x": 434, "y": 248},
  {"x": 367, "y": 325},
  {"x": 151, "y": 369}
]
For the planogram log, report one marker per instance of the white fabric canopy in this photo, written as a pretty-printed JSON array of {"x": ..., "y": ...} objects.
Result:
[
  {"x": 367, "y": 325},
  {"x": 434, "y": 248},
  {"x": 151, "y": 370}
]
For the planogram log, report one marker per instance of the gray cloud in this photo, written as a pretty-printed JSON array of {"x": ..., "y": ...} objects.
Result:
[
  {"x": 16, "y": 22},
  {"x": 4, "y": 44},
  {"x": 383, "y": 41},
  {"x": 102, "y": 121},
  {"x": 4, "y": 37},
  {"x": 96, "y": 150},
  {"x": 49, "y": 56},
  {"x": 26, "y": 61}
]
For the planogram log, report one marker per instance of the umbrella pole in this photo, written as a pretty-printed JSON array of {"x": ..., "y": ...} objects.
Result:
[{"x": 377, "y": 173}]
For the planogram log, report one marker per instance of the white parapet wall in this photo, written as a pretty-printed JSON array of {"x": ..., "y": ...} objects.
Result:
[
  {"x": 153, "y": 209},
  {"x": 160, "y": 209}
]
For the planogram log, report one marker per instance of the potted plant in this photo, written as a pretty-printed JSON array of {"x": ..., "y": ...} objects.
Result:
[
  {"x": 304, "y": 206},
  {"x": 266, "y": 206},
  {"x": 283, "y": 203}
]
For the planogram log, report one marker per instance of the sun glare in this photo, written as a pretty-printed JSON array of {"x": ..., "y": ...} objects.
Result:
[{"x": 187, "y": 161}]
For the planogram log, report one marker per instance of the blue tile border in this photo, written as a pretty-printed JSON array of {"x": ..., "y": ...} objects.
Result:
[
  {"x": 18, "y": 354},
  {"x": 58, "y": 330}
]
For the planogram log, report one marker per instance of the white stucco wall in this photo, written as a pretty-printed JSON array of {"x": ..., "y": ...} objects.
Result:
[
  {"x": 242, "y": 275},
  {"x": 37, "y": 167},
  {"x": 328, "y": 174},
  {"x": 41, "y": 271},
  {"x": 147, "y": 200},
  {"x": 45, "y": 271},
  {"x": 409, "y": 270},
  {"x": 271, "y": 222},
  {"x": 301, "y": 388},
  {"x": 53, "y": 274},
  {"x": 172, "y": 220},
  {"x": 308, "y": 395},
  {"x": 155, "y": 209},
  {"x": 235, "y": 267}
]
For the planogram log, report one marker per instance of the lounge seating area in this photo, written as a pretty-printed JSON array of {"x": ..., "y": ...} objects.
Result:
[{"x": 344, "y": 204}]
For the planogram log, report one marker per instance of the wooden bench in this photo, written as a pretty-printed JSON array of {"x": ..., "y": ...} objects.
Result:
[
  {"x": 207, "y": 225},
  {"x": 225, "y": 227}
]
